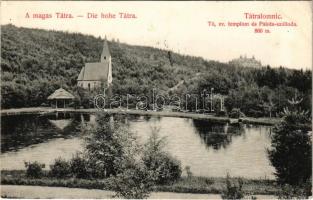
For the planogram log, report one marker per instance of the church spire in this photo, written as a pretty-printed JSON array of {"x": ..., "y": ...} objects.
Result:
[{"x": 105, "y": 55}]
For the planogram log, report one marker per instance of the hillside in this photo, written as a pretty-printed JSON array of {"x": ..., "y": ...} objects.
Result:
[
  {"x": 33, "y": 59},
  {"x": 35, "y": 62}
]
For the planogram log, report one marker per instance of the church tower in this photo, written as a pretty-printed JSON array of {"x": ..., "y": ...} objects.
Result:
[{"x": 106, "y": 57}]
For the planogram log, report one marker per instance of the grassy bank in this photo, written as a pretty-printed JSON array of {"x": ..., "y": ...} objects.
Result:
[{"x": 200, "y": 185}]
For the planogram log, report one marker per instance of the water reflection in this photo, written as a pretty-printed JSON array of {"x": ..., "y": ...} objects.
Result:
[
  {"x": 217, "y": 135},
  {"x": 20, "y": 131},
  {"x": 199, "y": 145},
  {"x": 210, "y": 149}
]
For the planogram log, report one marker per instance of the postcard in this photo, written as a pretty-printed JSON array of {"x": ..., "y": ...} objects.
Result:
[{"x": 156, "y": 99}]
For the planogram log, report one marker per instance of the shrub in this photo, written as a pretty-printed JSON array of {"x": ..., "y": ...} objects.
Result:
[
  {"x": 296, "y": 192},
  {"x": 235, "y": 113},
  {"x": 34, "y": 169},
  {"x": 291, "y": 148},
  {"x": 166, "y": 168},
  {"x": 60, "y": 169},
  {"x": 233, "y": 190},
  {"x": 133, "y": 183},
  {"x": 80, "y": 167}
]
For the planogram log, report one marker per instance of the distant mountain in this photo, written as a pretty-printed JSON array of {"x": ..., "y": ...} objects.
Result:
[{"x": 35, "y": 62}]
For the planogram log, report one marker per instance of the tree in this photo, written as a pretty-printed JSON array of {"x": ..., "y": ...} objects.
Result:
[
  {"x": 165, "y": 168},
  {"x": 291, "y": 148},
  {"x": 110, "y": 147},
  {"x": 114, "y": 153}
]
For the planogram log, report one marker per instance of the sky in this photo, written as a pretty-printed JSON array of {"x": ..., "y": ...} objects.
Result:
[{"x": 183, "y": 26}]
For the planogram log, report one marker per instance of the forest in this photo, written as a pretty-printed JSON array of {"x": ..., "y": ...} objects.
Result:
[{"x": 36, "y": 62}]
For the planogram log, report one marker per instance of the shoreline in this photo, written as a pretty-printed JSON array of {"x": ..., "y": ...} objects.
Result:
[
  {"x": 192, "y": 185},
  {"x": 212, "y": 118}
]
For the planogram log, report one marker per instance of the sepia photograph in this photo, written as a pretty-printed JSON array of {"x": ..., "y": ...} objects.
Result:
[{"x": 156, "y": 100}]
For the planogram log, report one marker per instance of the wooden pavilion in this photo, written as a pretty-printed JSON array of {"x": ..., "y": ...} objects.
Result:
[{"x": 61, "y": 98}]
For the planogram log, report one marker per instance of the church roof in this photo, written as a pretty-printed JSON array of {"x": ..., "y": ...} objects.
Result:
[
  {"x": 61, "y": 94},
  {"x": 94, "y": 72}
]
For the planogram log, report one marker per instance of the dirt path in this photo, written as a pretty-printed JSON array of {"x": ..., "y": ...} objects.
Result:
[{"x": 34, "y": 192}]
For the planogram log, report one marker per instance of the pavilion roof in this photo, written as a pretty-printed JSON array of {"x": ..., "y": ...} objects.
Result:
[{"x": 61, "y": 94}]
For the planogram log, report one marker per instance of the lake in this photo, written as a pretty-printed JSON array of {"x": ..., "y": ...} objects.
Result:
[{"x": 209, "y": 149}]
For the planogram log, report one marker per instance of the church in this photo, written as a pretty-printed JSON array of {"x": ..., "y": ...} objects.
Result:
[{"x": 97, "y": 74}]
